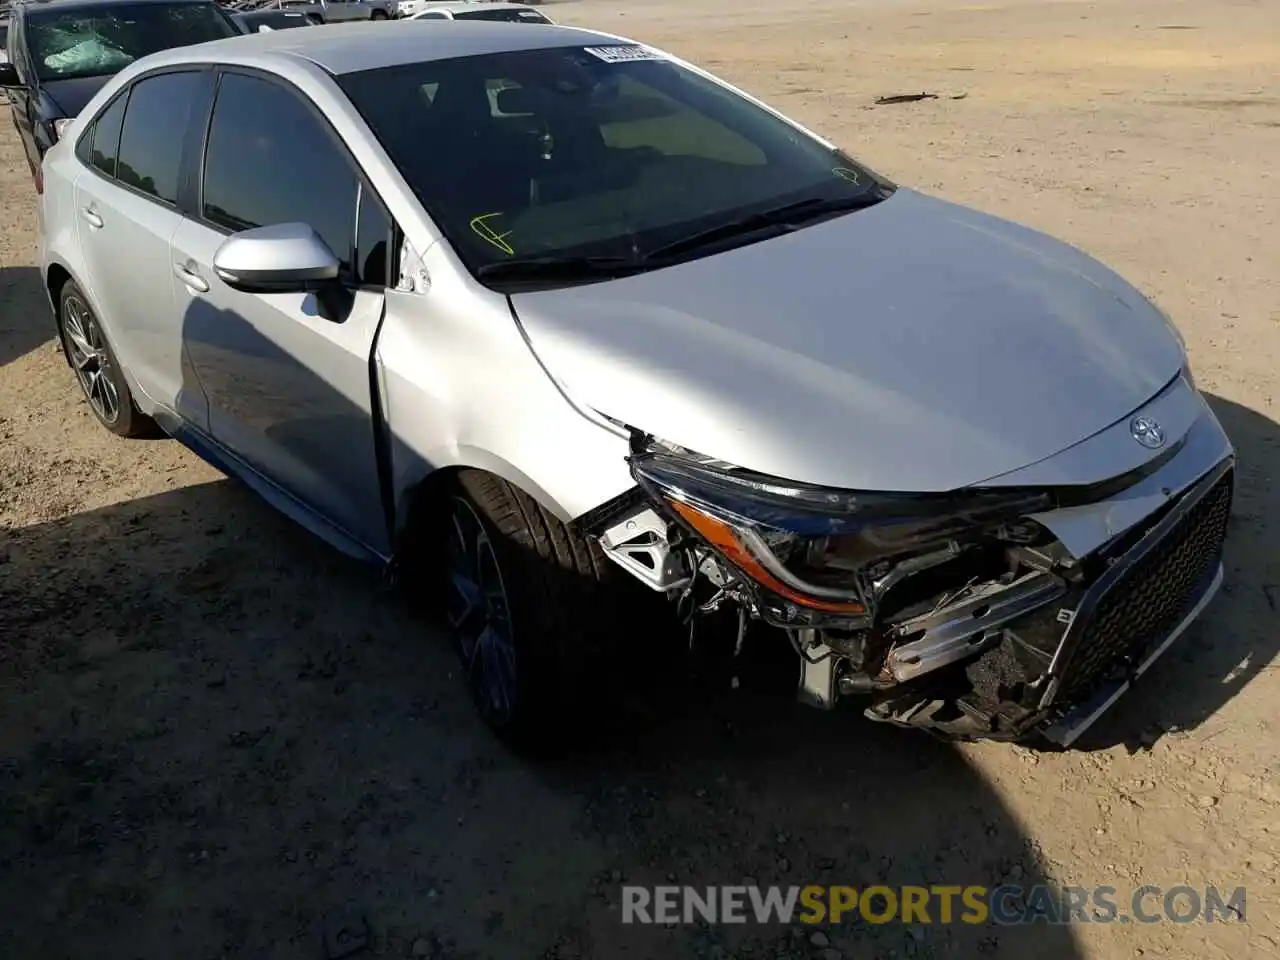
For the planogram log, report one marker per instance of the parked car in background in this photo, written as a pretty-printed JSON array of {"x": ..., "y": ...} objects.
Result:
[
  {"x": 466, "y": 10},
  {"x": 256, "y": 21},
  {"x": 619, "y": 332},
  {"x": 62, "y": 52},
  {"x": 341, "y": 11}
]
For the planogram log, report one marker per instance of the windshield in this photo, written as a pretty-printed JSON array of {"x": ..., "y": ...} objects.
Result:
[
  {"x": 510, "y": 15},
  {"x": 101, "y": 39},
  {"x": 590, "y": 152}
]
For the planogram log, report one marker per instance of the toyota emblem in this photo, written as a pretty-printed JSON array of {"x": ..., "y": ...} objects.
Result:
[{"x": 1147, "y": 432}]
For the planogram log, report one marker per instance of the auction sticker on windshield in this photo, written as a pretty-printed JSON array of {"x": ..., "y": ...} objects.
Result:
[{"x": 624, "y": 54}]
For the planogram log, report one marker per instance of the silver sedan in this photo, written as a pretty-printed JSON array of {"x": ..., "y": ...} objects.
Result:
[{"x": 553, "y": 324}]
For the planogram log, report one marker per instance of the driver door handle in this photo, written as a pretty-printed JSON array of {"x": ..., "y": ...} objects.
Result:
[
  {"x": 91, "y": 215},
  {"x": 192, "y": 279}
]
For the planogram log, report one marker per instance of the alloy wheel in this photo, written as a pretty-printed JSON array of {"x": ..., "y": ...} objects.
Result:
[
  {"x": 480, "y": 614},
  {"x": 88, "y": 351}
]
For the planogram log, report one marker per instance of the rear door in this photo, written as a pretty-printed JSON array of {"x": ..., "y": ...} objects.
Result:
[
  {"x": 127, "y": 213},
  {"x": 288, "y": 385}
]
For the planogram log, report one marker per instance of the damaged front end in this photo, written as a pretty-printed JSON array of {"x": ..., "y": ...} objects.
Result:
[{"x": 961, "y": 613}]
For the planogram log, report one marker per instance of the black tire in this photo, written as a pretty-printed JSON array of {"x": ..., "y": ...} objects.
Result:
[
  {"x": 378, "y": 15},
  {"x": 562, "y": 600},
  {"x": 96, "y": 368}
]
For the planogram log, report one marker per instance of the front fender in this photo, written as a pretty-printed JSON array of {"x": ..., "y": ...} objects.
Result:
[{"x": 459, "y": 387}]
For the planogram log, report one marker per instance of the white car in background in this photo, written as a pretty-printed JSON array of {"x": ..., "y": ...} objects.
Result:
[{"x": 470, "y": 10}]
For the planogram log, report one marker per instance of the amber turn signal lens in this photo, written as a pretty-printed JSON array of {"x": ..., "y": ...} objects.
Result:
[{"x": 721, "y": 536}]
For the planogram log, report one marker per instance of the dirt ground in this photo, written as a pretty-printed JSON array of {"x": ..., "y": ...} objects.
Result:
[{"x": 218, "y": 739}]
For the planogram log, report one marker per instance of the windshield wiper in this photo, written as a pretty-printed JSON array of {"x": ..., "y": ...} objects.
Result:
[
  {"x": 561, "y": 268},
  {"x": 783, "y": 219}
]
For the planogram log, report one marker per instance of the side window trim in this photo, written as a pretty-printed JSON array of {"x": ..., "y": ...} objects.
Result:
[{"x": 200, "y": 153}]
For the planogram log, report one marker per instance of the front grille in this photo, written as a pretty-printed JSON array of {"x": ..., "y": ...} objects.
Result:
[{"x": 1153, "y": 596}]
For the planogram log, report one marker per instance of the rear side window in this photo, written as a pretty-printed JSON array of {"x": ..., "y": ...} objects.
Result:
[
  {"x": 104, "y": 138},
  {"x": 155, "y": 125},
  {"x": 271, "y": 160}
]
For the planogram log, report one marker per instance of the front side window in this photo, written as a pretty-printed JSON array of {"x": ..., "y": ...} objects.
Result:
[
  {"x": 155, "y": 125},
  {"x": 269, "y": 160},
  {"x": 103, "y": 39},
  {"x": 607, "y": 152}
]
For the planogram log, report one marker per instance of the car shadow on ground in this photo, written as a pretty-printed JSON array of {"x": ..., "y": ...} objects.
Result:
[
  {"x": 222, "y": 739},
  {"x": 26, "y": 322},
  {"x": 1235, "y": 638}
]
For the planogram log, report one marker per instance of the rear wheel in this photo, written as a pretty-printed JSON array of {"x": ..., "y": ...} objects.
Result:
[
  {"x": 378, "y": 15},
  {"x": 96, "y": 367},
  {"x": 528, "y": 601}
]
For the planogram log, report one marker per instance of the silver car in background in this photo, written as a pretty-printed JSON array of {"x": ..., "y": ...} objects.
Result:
[{"x": 551, "y": 323}]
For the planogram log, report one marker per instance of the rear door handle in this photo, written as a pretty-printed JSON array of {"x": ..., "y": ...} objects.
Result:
[
  {"x": 91, "y": 215},
  {"x": 192, "y": 279}
]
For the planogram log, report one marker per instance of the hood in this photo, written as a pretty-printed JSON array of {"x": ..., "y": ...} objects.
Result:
[
  {"x": 71, "y": 95},
  {"x": 912, "y": 346}
]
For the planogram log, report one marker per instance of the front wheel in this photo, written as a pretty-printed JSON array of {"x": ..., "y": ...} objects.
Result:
[
  {"x": 378, "y": 15},
  {"x": 528, "y": 601}
]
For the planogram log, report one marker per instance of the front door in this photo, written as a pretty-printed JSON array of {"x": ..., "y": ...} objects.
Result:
[{"x": 288, "y": 384}]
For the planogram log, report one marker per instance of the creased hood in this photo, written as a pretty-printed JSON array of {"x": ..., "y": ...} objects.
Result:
[{"x": 912, "y": 346}]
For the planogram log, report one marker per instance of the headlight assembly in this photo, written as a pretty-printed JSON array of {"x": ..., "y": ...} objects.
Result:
[{"x": 826, "y": 550}]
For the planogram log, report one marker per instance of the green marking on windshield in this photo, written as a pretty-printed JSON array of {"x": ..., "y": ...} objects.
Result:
[{"x": 480, "y": 226}]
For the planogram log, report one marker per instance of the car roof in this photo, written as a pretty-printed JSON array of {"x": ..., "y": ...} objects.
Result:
[
  {"x": 353, "y": 47},
  {"x": 84, "y": 4}
]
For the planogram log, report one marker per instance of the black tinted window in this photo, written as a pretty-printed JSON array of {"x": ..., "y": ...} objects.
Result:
[
  {"x": 154, "y": 126},
  {"x": 271, "y": 160},
  {"x": 105, "y": 136},
  {"x": 373, "y": 240}
]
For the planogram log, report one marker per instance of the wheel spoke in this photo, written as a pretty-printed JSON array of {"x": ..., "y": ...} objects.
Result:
[
  {"x": 465, "y": 602},
  {"x": 494, "y": 667},
  {"x": 75, "y": 333},
  {"x": 110, "y": 396},
  {"x": 95, "y": 392},
  {"x": 478, "y": 611}
]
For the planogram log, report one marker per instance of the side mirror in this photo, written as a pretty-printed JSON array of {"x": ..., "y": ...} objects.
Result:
[
  {"x": 283, "y": 258},
  {"x": 9, "y": 75}
]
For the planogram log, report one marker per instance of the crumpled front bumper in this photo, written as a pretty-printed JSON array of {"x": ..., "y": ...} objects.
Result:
[
  {"x": 1146, "y": 599},
  {"x": 1153, "y": 556}
]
